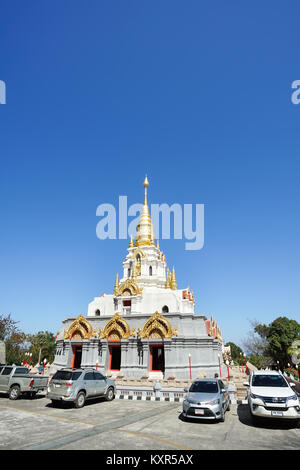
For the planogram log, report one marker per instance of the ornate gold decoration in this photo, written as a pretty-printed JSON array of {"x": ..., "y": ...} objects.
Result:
[
  {"x": 128, "y": 288},
  {"x": 80, "y": 329},
  {"x": 116, "y": 284},
  {"x": 157, "y": 327},
  {"x": 144, "y": 229},
  {"x": 117, "y": 328},
  {"x": 173, "y": 283},
  {"x": 168, "y": 281}
]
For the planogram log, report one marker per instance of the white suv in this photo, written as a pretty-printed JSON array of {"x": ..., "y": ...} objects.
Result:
[{"x": 271, "y": 396}]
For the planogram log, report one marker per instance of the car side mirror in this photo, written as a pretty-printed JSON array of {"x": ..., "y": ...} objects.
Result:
[{"x": 246, "y": 384}]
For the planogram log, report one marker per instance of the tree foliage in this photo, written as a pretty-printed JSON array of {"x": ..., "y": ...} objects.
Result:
[
  {"x": 42, "y": 346},
  {"x": 13, "y": 339},
  {"x": 268, "y": 344}
]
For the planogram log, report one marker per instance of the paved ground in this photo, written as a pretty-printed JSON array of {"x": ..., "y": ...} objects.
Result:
[{"x": 133, "y": 425}]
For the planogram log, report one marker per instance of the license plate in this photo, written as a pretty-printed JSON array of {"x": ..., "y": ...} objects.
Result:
[
  {"x": 199, "y": 412},
  {"x": 57, "y": 385},
  {"x": 276, "y": 413}
]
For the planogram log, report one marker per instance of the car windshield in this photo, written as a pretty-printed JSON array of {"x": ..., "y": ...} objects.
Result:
[
  {"x": 204, "y": 387},
  {"x": 268, "y": 381},
  {"x": 66, "y": 375}
]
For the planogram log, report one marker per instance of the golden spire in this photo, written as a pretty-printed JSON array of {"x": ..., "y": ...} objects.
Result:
[
  {"x": 116, "y": 284},
  {"x": 131, "y": 242},
  {"x": 173, "y": 283},
  {"x": 157, "y": 245},
  {"x": 168, "y": 281},
  {"x": 144, "y": 229}
]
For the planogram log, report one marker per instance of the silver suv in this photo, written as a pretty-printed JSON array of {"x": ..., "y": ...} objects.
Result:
[{"x": 79, "y": 385}]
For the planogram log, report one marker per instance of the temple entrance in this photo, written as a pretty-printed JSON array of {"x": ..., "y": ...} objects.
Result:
[
  {"x": 114, "y": 357},
  {"x": 77, "y": 355},
  {"x": 157, "y": 358}
]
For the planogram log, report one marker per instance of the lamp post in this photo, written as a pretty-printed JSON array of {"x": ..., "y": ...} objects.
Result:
[
  {"x": 30, "y": 356},
  {"x": 96, "y": 365},
  {"x": 227, "y": 364},
  {"x": 219, "y": 365},
  {"x": 190, "y": 366},
  {"x": 278, "y": 365},
  {"x": 26, "y": 359},
  {"x": 245, "y": 363},
  {"x": 289, "y": 366}
]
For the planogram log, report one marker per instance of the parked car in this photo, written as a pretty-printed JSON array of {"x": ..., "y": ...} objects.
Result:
[
  {"x": 270, "y": 395},
  {"x": 16, "y": 380},
  {"x": 79, "y": 385},
  {"x": 206, "y": 398}
]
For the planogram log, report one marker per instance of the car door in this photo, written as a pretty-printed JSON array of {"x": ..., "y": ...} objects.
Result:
[
  {"x": 89, "y": 384},
  {"x": 100, "y": 383},
  {"x": 224, "y": 395},
  {"x": 4, "y": 378}
]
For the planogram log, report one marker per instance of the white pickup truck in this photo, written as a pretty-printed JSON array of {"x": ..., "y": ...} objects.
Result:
[{"x": 16, "y": 380}]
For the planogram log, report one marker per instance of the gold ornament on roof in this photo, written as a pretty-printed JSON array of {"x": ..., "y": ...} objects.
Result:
[
  {"x": 173, "y": 283},
  {"x": 80, "y": 329},
  {"x": 157, "y": 327},
  {"x": 144, "y": 229},
  {"x": 116, "y": 329},
  {"x": 128, "y": 288}
]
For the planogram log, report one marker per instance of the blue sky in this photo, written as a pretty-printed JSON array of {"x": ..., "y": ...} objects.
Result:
[{"x": 195, "y": 94}]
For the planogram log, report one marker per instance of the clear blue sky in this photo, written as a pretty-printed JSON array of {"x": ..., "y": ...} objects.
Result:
[{"x": 195, "y": 94}]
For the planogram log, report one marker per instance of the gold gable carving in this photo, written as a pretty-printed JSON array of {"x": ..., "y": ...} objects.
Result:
[
  {"x": 116, "y": 328},
  {"x": 80, "y": 329},
  {"x": 128, "y": 288},
  {"x": 157, "y": 327}
]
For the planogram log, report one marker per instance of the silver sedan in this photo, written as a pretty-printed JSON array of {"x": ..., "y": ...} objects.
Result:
[{"x": 206, "y": 399}]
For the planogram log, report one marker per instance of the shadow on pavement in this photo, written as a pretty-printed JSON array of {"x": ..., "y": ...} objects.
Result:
[{"x": 244, "y": 416}]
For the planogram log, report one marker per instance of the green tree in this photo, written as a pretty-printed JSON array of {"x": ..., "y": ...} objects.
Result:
[
  {"x": 280, "y": 334},
  {"x": 42, "y": 346},
  {"x": 13, "y": 338}
]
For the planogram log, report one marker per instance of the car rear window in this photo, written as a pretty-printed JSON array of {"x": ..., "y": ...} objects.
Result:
[
  {"x": 268, "y": 381},
  {"x": 204, "y": 387},
  {"x": 6, "y": 370},
  {"x": 66, "y": 375},
  {"x": 21, "y": 370}
]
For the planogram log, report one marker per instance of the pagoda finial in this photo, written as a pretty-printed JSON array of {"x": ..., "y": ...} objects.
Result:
[
  {"x": 168, "y": 281},
  {"x": 116, "y": 284},
  {"x": 131, "y": 242},
  {"x": 173, "y": 283},
  {"x": 144, "y": 228}
]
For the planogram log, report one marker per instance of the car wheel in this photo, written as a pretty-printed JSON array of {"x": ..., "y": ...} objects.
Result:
[
  {"x": 14, "y": 392},
  {"x": 80, "y": 400},
  {"x": 110, "y": 394},
  {"x": 55, "y": 402},
  {"x": 222, "y": 419}
]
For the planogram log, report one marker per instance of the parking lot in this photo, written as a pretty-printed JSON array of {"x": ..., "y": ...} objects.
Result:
[{"x": 34, "y": 424}]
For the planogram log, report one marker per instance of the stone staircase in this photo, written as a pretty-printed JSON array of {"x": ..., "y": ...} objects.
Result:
[{"x": 237, "y": 378}]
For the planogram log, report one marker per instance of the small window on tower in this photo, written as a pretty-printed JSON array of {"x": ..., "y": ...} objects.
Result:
[
  {"x": 97, "y": 313},
  {"x": 165, "y": 309},
  {"x": 150, "y": 270}
]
